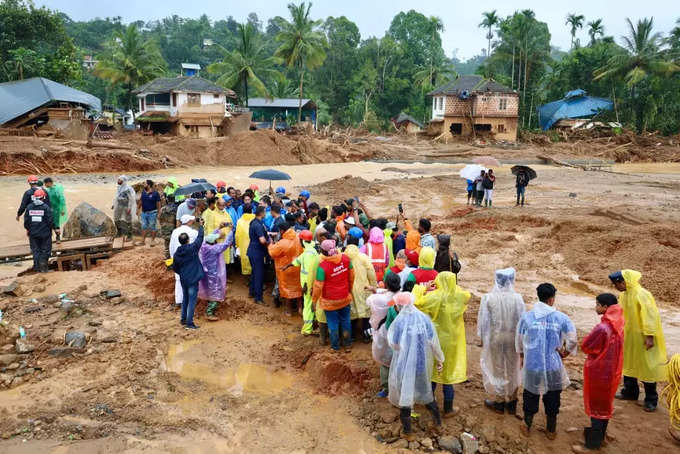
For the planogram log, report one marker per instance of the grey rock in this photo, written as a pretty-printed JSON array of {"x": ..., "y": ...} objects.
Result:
[
  {"x": 6, "y": 360},
  {"x": 450, "y": 444},
  {"x": 62, "y": 351},
  {"x": 427, "y": 444},
  {"x": 470, "y": 443},
  {"x": 86, "y": 221},
  {"x": 401, "y": 443},
  {"x": 573, "y": 195},
  {"x": 23, "y": 346},
  {"x": 413, "y": 445},
  {"x": 75, "y": 339},
  {"x": 108, "y": 294},
  {"x": 32, "y": 309},
  {"x": 13, "y": 366},
  {"x": 13, "y": 289},
  {"x": 48, "y": 299}
]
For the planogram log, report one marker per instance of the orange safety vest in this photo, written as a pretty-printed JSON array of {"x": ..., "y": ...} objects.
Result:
[{"x": 377, "y": 256}]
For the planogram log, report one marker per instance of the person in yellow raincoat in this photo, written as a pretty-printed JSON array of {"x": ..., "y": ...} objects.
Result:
[
  {"x": 364, "y": 276},
  {"x": 213, "y": 218},
  {"x": 644, "y": 346},
  {"x": 446, "y": 305},
  {"x": 308, "y": 262},
  {"x": 242, "y": 239}
]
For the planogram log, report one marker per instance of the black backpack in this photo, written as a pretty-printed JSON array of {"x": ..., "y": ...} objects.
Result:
[{"x": 487, "y": 183}]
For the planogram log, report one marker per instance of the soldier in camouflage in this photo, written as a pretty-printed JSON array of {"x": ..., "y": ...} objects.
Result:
[{"x": 166, "y": 218}]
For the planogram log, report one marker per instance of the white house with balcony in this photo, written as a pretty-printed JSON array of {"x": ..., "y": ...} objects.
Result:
[{"x": 184, "y": 106}]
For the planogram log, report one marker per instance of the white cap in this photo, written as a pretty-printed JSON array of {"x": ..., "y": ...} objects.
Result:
[
  {"x": 186, "y": 218},
  {"x": 350, "y": 220}
]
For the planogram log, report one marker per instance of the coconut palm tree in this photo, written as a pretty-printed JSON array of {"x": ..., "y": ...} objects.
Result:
[
  {"x": 595, "y": 29},
  {"x": 575, "y": 22},
  {"x": 489, "y": 22},
  {"x": 246, "y": 65},
  {"x": 302, "y": 44},
  {"x": 130, "y": 61},
  {"x": 436, "y": 73},
  {"x": 642, "y": 58}
]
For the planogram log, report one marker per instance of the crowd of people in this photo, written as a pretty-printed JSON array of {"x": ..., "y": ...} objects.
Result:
[{"x": 358, "y": 278}]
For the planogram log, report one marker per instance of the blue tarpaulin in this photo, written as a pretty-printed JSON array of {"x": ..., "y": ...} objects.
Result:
[{"x": 575, "y": 104}]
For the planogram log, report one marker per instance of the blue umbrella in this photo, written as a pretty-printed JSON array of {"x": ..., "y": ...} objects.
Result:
[
  {"x": 194, "y": 187},
  {"x": 270, "y": 174}
]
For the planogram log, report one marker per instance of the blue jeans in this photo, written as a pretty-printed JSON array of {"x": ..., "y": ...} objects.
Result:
[
  {"x": 148, "y": 220},
  {"x": 448, "y": 391},
  {"x": 256, "y": 276},
  {"x": 338, "y": 320},
  {"x": 190, "y": 294}
]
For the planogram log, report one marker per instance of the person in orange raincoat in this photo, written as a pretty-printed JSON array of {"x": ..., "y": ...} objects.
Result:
[
  {"x": 284, "y": 252},
  {"x": 602, "y": 369}
]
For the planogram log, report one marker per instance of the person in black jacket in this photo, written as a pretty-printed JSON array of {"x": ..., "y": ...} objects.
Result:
[
  {"x": 38, "y": 222},
  {"x": 28, "y": 196},
  {"x": 187, "y": 265}
]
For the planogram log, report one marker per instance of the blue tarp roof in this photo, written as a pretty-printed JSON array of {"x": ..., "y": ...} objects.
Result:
[
  {"x": 22, "y": 96},
  {"x": 575, "y": 104}
]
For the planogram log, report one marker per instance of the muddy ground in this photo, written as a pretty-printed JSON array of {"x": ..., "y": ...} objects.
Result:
[{"x": 251, "y": 383}]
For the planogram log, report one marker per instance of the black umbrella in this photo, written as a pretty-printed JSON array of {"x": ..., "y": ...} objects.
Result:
[
  {"x": 194, "y": 187},
  {"x": 270, "y": 174},
  {"x": 531, "y": 173}
]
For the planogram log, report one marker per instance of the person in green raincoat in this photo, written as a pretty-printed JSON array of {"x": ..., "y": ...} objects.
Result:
[
  {"x": 644, "y": 346},
  {"x": 170, "y": 189},
  {"x": 55, "y": 192},
  {"x": 308, "y": 262},
  {"x": 445, "y": 304}
]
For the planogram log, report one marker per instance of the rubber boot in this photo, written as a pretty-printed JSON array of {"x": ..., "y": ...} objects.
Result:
[
  {"x": 511, "y": 407},
  {"x": 490, "y": 203},
  {"x": 449, "y": 410},
  {"x": 551, "y": 427},
  {"x": 486, "y": 203},
  {"x": 407, "y": 430},
  {"x": 323, "y": 333},
  {"x": 498, "y": 407}
]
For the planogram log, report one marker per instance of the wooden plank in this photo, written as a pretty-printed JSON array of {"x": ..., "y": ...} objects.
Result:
[{"x": 21, "y": 250}]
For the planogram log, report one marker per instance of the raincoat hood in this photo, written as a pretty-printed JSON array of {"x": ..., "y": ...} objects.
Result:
[
  {"x": 308, "y": 246},
  {"x": 505, "y": 280},
  {"x": 631, "y": 277},
  {"x": 332, "y": 258},
  {"x": 376, "y": 235},
  {"x": 352, "y": 251},
  {"x": 173, "y": 181},
  {"x": 542, "y": 310},
  {"x": 288, "y": 234},
  {"x": 426, "y": 258},
  {"x": 614, "y": 316},
  {"x": 412, "y": 240},
  {"x": 444, "y": 241}
]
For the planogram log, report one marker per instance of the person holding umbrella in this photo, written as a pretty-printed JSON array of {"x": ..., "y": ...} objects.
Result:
[{"x": 523, "y": 175}]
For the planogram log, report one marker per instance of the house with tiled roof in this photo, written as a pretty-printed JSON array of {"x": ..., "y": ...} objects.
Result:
[
  {"x": 185, "y": 106},
  {"x": 472, "y": 106}
]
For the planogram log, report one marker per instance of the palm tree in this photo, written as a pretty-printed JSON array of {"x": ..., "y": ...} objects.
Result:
[
  {"x": 595, "y": 28},
  {"x": 246, "y": 65},
  {"x": 282, "y": 87},
  {"x": 642, "y": 57},
  {"x": 436, "y": 73},
  {"x": 130, "y": 61},
  {"x": 576, "y": 22},
  {"x": 490, "y": 20},
  {"x": 302, "y": 44}
]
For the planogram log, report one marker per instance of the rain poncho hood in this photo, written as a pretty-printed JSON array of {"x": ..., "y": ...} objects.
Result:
[
  {"x": 446, "y": 306},
  {"x": 376, "y": 235},
  {"x": 499, "y": 314},
  {"x": 604, "y": 365},
  {"x": 413, "y": 240},
  {"x": 540, "y": 333},
  {"x": 642, "y": 319},
  {"x": 364, "y": 276},
  {"x": 426, "y": 258},
  {"x": 379, "y": 305},
  {"x": 284, "y": 252},
  {"x": 213, "y": 286},
  {"x": 125, "y": 199},
  {"x": 415, "y": 346},
  {"x": 242, "y": 238},
  {"x": 213, "y": 219}
]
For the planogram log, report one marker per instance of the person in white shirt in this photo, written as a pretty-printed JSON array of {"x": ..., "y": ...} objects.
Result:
[{"x": 186, "y": 222}]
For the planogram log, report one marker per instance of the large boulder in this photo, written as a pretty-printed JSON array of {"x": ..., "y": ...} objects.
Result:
[{"x": 86, "y": 221}]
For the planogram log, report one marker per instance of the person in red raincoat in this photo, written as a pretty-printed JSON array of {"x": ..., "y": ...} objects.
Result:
[{"x": 602, "y": 370}]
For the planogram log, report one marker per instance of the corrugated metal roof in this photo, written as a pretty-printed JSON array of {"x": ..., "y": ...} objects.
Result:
[
  {"x": 471, "y": 84},
  {"x": 574, "y": 105},
  {"x": 286, "y": 103},
  {"x": 191, "y": 66},
  {"x": 22, "y": 96},
  {"x": 183, "y": 83}
]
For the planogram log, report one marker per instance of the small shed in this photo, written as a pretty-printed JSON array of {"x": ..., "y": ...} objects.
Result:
[
  {"x": 266, "y": 110},
  {"x": 575, "y": 104},
  {"x": 407, "y": 123},
  {"x": 191, "y": 69}
]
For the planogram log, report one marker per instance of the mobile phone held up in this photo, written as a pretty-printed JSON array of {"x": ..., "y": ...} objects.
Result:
[{"x": 401, "y": 209}]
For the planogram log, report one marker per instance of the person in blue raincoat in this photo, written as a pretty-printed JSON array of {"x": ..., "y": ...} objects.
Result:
[{"x": 471, "y": 191}]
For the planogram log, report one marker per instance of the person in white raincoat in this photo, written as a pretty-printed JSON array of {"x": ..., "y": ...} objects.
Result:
[
  {"x": 499, "y": 314},
  {"x": 415, "y": 345},
  {"x": 124, "y": 207},
  {"x": 379, "y": 304},
  {"x": 544, "y": 336}
]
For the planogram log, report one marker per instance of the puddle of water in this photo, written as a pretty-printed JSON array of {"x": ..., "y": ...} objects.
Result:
[{"x": 246, "y": 378}]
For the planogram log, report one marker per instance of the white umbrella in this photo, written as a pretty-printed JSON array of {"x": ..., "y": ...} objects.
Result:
[{"x": 471, "y": 171}]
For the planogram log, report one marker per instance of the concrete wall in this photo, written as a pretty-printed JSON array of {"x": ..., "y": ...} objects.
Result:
[
  {"x": 501, "y": 128},
  {"x": 498, "y": 105}
]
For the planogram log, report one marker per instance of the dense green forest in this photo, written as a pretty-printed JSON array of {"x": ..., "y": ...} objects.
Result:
[{"x": 354, "y": 79}]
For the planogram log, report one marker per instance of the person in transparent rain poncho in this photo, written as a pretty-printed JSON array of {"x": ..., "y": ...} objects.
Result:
[
  {"x": 415, "y": 347},
  {"x": 544, "y": 337},
  {"x": 124, "y": 207},
  {"x": 499, "y": 314}
]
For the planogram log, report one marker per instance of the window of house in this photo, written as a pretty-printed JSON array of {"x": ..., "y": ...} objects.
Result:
[
  {"x": 216, "y": 96},
  {"x": 194, "y": 99},
  {"x": 500, "y": 128},
  {"x": 142, "y": 107},
  {"x": 503, "y": 104},
  {"x": 441, "y": 103},
  {"x": 174, "y": 99},
  {"x": 158, "y": 99}
]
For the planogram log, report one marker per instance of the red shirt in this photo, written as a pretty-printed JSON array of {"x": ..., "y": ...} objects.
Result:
[{"x": 336, "y": 278}]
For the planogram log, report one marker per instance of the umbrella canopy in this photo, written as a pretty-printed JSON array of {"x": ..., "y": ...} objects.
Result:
[
  {"x": 488, "y": 161},
  {"x": 270, "y": 174},
  {"x": 471, "y": 171},
  {"x": 531, "y": 173},
  {"x": 194, "y": 187}
]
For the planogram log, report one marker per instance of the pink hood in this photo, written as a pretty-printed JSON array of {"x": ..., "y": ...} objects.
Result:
[{"x": 376, "y": 235}]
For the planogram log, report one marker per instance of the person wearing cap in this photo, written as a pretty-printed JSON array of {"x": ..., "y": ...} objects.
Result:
[
  {"x": 28, "y": 195},
  {"x": 186, "y": 223},
  {"x": 55, "y": 194},
  {"x": 38, "y": 222},
  {"x": 284, "y": 252},
  {"x": 188, "y": 266},
  {"x": 644, "y": 346},
  {"x": 213, "y": 286},
  {"x": 184, "y": 208},
  {"x": 303, "y": 199},
  {"x": 308, "y": 262},
  {"x": 355, "y": 232},
  {"x": 258, "y": 239},
  {"x": 221, "y": 187},
  {"x": 229, "y": 208},
  {"x": 124, "y": 207},
  {"x": 333, "y": 291}
]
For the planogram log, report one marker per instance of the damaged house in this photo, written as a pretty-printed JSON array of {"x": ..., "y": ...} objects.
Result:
[
  {"x": 184, "y": 106},
  {"x": 471, "y": 106},
  {"x": 43, "y": 107}
]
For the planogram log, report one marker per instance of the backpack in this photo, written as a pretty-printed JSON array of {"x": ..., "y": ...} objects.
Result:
[
  {"x": 487, "y": 183},
  {"x": 522, "y": 179}
]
